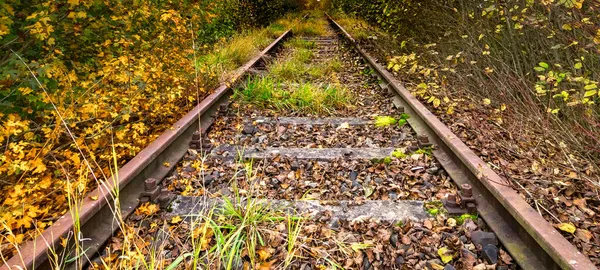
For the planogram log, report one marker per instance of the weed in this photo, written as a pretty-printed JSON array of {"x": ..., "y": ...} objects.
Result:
[
  {"x": 425, "y": 151},
  {"x": 403, "y": 119},
  {"x": 399, "y": 153},
  {"x": 264, "y": 92},
  {"x": 461, "y": 219},
  {"x": 434, "y": 207}
]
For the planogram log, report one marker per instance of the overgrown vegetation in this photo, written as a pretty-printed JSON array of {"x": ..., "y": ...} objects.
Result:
[
  {"x": 286, "y": 86},
  {"x": 87, "y": 84},
  {"x": 535, "y": 58}
]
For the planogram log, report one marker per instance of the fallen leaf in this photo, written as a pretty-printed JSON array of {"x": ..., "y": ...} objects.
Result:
[
  {"x": 266, "y": 265},
  {"x": 176, "y": 219},
  {"x": 344, "y": 125},
  {"x": 445, "y": 254},
  {"x": 567, "y": 227},
  {"x": 265, "y": 253},
  {"x": 427, "y": 224},
  {"x": 584, "y": 235}
]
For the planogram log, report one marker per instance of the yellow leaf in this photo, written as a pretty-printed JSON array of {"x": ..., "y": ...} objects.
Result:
[
  {"x": 73, "y": 2},
  {"x": 567, "y": 227},
  {"x": 486, "y": 101},
  {"x": 443, "y": 252},
  {"x": 265, "y": 253},
  {"x": 590, "y": 93},
  {"x": 167, "y": 164},
  {"x": 81, "y": 14},
  {"x": 147, "y": 209},
  {"x": 567, "y": 27},
  {"x": 436, "y": 102},
  {"x": 176, "y": 219}
]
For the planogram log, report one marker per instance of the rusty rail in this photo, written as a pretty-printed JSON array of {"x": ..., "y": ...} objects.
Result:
[
  {"x": 96, "y": 214},
  {"x": 526, "y": 235}
]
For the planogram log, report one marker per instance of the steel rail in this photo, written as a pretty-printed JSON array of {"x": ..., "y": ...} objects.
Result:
[
  {"x": 527, "y": 236},
  {"x": 96, "y": 214}
]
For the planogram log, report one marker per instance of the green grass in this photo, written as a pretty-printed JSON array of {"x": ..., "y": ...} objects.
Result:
[
  {"x": 297, "y": 65},
  {"x": 266, "y": 92},
  {"x": 311, "y": 27},
  {"x": 231, "y": 53}
]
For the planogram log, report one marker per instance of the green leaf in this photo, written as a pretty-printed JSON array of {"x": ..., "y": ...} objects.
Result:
[
  {"x": 578, "y": 65},
  {"x": 544, "y": 65},
  {"x": 590, "y": 86}
]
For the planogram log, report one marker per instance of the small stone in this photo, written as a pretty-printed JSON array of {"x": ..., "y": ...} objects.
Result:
[
  {"x": 393, "y": 195},
  {"x": 449, "y": 267},
  {"x": 275, "y": 182},
  {"x": 353, "y": 176},
  {"x": 335, "y": 224},
  {"x": 468, "y": 256},
  {"x": 262, "y": 138},
  {"x": 432, "y": 170},
  {"x": 366, "y": 262},
  {"x": 294, "y": 165},
  {"x": 394, "y": 240},
  {"x": 463, "y": 239},
  {"x": 378, "y": 180},
  {"x": 490, "y": 254},
  {"x": 281, "y": 130},
  {"x": 469, "y": 225},
  {"x": 399, "y": 261},
  {"x": 482, "y": 239},
  {"x": 249, "y": 129},
  {"x": 344, "y": 188},
  {"x": 311, "y": 184}
]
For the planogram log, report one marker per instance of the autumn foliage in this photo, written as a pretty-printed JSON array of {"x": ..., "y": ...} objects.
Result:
[
  {"x": 83, "y": 82},
  {"x": 539, "y": 58}
]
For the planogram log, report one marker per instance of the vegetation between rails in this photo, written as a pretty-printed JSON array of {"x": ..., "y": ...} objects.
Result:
[{"x": 285, "y": 87}]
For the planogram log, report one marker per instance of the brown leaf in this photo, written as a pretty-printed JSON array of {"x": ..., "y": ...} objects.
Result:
[
  {"x": 427, "y": 224},
  {"x": 584, "y": 235},
  {"x": 582, "y": 204},
  {"x": 406, "y": 240},
  {"x": 266, "y": 265}
]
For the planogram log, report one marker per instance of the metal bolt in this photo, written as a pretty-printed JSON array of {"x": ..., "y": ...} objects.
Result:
[
  {"x": 223, "y": 107},
  {"x": 452, "y": 199},
  {"x": 196, "y": 136},
  {"x": 467, "y": 190},
  {"x": 150, "y": 184}
]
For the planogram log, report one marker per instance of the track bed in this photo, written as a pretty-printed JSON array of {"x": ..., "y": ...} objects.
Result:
[{"x": 342, "y": 189}]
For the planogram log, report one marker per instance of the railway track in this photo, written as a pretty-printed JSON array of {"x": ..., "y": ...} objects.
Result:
[{"x": 357, "y": 184}]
